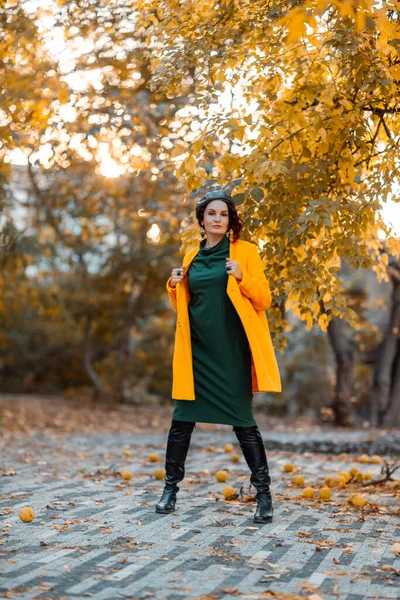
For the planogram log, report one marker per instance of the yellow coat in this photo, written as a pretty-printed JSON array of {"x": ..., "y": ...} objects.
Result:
[{"x": 251, "y": 297}]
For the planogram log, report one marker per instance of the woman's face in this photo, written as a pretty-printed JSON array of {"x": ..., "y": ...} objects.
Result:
[{"x": 216, "y": 218}]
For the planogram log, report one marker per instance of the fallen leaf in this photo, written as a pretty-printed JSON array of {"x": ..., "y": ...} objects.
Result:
[{"x": 395, "y": 548}]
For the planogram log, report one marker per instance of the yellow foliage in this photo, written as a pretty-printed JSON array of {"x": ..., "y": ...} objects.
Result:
[
  {"x": 316, "y": 308},
  {"x": 296, "y": 25},
  {"x": 346, "y": 9},
  {"x": 304, "y": 125},
  {"x": 323, "y": 321},
  {"x": 300, "y": 126}
]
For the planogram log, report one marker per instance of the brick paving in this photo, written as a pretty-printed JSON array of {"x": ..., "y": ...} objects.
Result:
[{"x": 97, "y": 536}]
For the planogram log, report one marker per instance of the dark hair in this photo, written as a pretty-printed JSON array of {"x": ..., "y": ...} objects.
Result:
[{"x": 235, "y": 222}]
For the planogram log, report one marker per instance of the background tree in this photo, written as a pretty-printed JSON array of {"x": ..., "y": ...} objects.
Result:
[
  {"x": 293, "y": 106},
  {"x": 385, "y": 395},
  {"x": 316, "y": 132},
  {"x": 97, "y": 267}
]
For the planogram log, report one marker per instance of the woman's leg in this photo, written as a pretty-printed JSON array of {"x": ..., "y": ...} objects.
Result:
[
  {"x": 253, "y": 449},
  {"x": 177, "y": 448}
]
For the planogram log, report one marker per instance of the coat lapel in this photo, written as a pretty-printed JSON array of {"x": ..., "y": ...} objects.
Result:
[{"x": 232, "y": 287}]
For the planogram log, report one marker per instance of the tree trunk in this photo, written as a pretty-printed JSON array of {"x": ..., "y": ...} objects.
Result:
[
  {"x": 392, "y": 417},
  {"x": 385, "y": 393},
  {"x": 345, "y": 353},
  {"x": 87, "y": 361}
]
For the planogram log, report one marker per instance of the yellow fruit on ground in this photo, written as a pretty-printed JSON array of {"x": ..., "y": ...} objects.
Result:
[
  {"x": 308, "y": 492},
  {"x": 364, "y": 458},
  {"x": 222, "y": 475},
  {"x": 211, "y": 449},
  {"x": 298, "y": 480},
  {"x": 288, "y": 468},
  {"x": 357, "y": 500},
  {"x": 335, "y": 481},
  {"x": 394, "y": 484},
  {"x": 228, "y": 492},
  {"x": 324, "y": 493},
  {"x": 126, "y": 475},
  {"x": 26, "y": 514},
  {"x": 359, "y": 477},
  {"x": 354, "y": 471},
  {"x": 346, "y": 476},
  {"x": 366, "y": 476},
  {"x": 343, "y": 455},
  {"x": 159, "y": 473},
  {"x": 228, "y": 447},
  {"x": 153, "y": 458},
  {"x": 127, "y": 453},
  {"x": 235, "y": 458},
  {"x": 376, "y": 459}
]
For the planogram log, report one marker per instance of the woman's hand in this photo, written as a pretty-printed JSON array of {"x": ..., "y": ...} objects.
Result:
[
  {"x": 233, "y": 268},
  {"x": 176, "y": 276}
]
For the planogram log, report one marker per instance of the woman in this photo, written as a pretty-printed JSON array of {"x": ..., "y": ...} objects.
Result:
[{"x": 223, "y": 350}]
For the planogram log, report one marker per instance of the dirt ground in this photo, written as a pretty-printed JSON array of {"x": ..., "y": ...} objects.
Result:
[{"x": 21, "y": 414}]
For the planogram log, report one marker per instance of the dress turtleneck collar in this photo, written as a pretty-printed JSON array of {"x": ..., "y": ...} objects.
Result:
[{"x": 221, "y": 242}]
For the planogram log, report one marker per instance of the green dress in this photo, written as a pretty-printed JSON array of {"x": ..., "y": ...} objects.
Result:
[{"x": 220, "y": 349}]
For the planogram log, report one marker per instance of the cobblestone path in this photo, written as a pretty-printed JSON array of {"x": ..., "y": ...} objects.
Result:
[{"x": 97, "y": 536}]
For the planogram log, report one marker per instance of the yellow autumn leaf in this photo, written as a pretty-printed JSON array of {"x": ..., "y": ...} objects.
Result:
[
  {"x": 316, "y": 308},
  {"x": 323, "y": 321},
  {"x": 296, "y": 25}
]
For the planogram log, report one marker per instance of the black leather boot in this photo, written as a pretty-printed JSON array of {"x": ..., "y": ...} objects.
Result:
[
  {"x": 177, "y": 448},
  {"x": 253, "y": 449}
]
